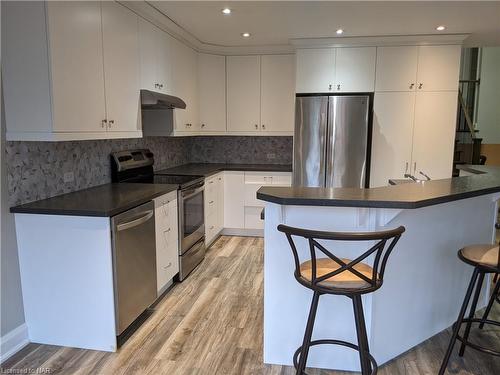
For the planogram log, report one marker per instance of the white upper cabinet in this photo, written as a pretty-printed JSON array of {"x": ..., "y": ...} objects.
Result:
[
  {"x": 392, "y": 136},
  {"x": 155, "y": 58},
  {"x": 121, "y": 67},
  {"x": 396, "y": 68},
  {"x": 76, "y": 57},
  {"x": 355, "y": 69},
  {"x": 438, "y": 68},
  {"x": 277, "y": 93},
  {"x": 212, "y": 92},
  {"x": 185, "y": 86},
  {"x": 81, "y": 67},
  {"x": 434, "y": 134},
  {"x": 315, "y": 70},
  {"x": 243, "y": 93}
]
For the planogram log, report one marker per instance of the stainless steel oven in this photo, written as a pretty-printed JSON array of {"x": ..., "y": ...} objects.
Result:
[{"x": 191, "y": 227}]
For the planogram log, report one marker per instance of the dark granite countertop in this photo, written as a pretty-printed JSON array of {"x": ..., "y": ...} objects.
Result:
[
  {"x": 104, "y": 200},
  {"x": 208, "y": 169},
  {"x": 413, "y": 195}
]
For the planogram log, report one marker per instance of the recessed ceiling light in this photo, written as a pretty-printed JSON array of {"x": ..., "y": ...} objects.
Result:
[
  {"x": 245, "y": 35},
  {"x": 226, "y": 11},
  {"x": 339, "y": 31},
  {"x": 440, "y": 28}
]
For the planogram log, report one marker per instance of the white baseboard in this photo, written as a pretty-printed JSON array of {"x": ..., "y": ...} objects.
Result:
[
  {"x": 243, "y": 232},
  {"x": 13, "y": 341}
]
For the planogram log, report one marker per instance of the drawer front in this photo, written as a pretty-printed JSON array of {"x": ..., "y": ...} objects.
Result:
[
  {"x": 252, "y": 218},
  {"x": 263, "y": 178},
  {"x": 211, "y": 188},
  {"x": 211, "y": 228},
  {"x": 282, "y": 179},
  {"x": 211, "y": 205}
]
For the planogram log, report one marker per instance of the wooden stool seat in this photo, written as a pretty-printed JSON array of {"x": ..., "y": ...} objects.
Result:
[
  {"x": 344, "y": 280},
  {"x": 482, "y": 255}
]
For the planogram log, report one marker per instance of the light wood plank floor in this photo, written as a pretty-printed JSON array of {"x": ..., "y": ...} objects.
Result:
[{"x": 212, "y": 324}]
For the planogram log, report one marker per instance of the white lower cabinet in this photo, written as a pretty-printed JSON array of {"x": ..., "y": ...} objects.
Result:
[
  {"x": 242, "y": 209},
  {"x": 253, "y": 182},
  {"x": 167, "y": 239},
  {"x": 214, "y": 207}
]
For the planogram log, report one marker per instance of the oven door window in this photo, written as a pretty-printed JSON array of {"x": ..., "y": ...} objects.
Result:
[{"x": 193, "y": 213}]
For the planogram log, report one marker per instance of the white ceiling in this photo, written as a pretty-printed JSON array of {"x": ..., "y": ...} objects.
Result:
[{"x": 274, "y": 23}]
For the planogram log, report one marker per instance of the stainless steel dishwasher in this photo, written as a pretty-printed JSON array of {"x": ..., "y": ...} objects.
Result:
[{"x": 134, "y": 263}]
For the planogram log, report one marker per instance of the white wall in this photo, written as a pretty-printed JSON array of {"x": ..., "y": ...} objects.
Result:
[
  {"x": 12, "y": 313},
  {"x": 488, "y": 119}
]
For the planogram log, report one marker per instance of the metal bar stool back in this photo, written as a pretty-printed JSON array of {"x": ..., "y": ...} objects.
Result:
[{"x": 331, "y": 274}]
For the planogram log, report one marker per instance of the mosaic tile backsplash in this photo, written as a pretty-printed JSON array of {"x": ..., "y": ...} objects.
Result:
[{"x": 35, "y": 170}]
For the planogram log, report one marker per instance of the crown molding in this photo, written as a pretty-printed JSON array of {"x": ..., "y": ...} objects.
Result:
[{"x": 377, "y": 41}]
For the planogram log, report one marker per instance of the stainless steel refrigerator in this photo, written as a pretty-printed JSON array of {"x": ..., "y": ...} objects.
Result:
[{"x": 331, "y": 140}]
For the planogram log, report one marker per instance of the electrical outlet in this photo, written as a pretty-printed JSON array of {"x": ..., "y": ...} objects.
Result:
[
  {"x": 69, "y": 177},
  {"x": 271, "y": 156}
]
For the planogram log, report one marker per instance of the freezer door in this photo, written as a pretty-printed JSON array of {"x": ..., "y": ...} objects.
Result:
[
  {"x": 346, "y": 156},
  {"x": 309, "y": 142}
]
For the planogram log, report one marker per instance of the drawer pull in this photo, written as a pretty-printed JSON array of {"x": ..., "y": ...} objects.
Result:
[
  {"x": 210, "y": 202},
  {"x": 168, "y": 265}
]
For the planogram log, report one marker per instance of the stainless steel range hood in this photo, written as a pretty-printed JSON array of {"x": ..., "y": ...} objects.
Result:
[{"x": 156, "y": 100}]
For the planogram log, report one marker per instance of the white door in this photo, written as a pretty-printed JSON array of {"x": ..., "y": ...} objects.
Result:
[
  {"x": 212, "y": 89},
  {"x": 234, "y": 199},
  {"x": 121, "y": 67},
  {"x": 185, "y": 86},
  {"x": 77, "y": 66},
  {"x": 355, "y": 69},
  {"x": 438, "y": 68},
  {"x": 164, "y": 62},
  {"x": 315, "y": 70},
  {"x": 393, "y": 115},
  {"x": 396, "y": 68},
  {"x": 434, "y": 133},
  {"x": 243, "y": 93},
  {"x": 148, "y": 55},
  {"x": 278, "y": 94}
]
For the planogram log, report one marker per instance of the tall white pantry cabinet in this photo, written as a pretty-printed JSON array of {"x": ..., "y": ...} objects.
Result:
[{"x": 415, "y": 105}]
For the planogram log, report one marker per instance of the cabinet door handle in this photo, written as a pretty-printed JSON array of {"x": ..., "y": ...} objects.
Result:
[
  {"x": 212, "y": 227},
  {"x": 414, "y": 167},
  {"x": 330, "y": 87},
  {"x": 168, "y": 265},
  {"x": 210, "y": 202},
  {"x": 263, "y": 126},
  {"x": 202, "y": 125},
  {"x": 412, "y": 85},
  {"x": 104, "y": 123},
  {"x": 420, "y": 85},
  {"x": 256, "y": 126},
  {"x": 111, "y": 123},
  {"x": 338, "y": 87}
]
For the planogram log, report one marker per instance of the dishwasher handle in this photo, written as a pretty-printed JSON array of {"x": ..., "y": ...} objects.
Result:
[{"x": 133, "y": 223}]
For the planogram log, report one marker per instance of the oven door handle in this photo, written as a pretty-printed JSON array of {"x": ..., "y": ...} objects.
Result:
[
  {"x": 135, "y": 222},
  {"x": 189, "y": 193}
]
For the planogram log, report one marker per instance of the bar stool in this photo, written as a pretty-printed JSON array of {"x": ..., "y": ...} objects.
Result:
[
  {"x": 485, "y": 259},
  {"x": 340, "y": 276}
]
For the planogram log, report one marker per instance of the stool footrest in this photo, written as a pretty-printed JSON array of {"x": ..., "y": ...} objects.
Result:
[
  {"x": 475, "y": 346},
  {"x": 334, "y": 342}
]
